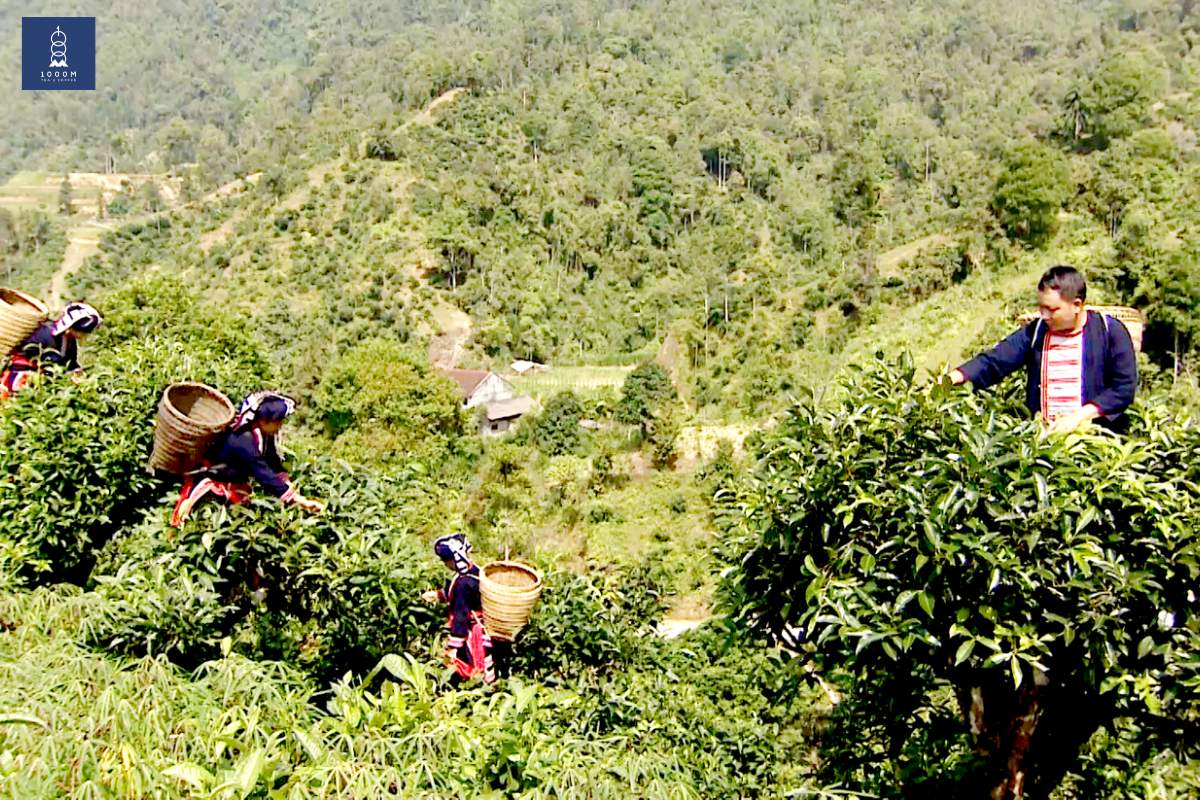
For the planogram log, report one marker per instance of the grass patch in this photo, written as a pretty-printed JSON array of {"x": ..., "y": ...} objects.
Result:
[
  {"x": 75, "y": 723},
  {"x": 665, "y": 512},
  {"x": 581, "y": 380}
]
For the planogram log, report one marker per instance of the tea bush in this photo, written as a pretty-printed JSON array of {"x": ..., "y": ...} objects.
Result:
[
  {"x": 348, "y": 578},
  {"x": 929, "y": 545},
  {"x": 162, "y": 607},
  {"x": 698, "y": 720},
  {"x": 592, "y": 623},
  {"x": 154, "y": 306},
  {"x": 73, "y": 454}
]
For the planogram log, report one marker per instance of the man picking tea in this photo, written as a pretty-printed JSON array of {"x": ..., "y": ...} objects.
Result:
[{"x": 1079, "y": 364}]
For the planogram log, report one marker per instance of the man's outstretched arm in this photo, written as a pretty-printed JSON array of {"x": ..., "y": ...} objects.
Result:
[{"x": 991, "y": 367}]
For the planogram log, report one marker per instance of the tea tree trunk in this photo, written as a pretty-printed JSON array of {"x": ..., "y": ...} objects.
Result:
[{"x": 1028, "y": 738}]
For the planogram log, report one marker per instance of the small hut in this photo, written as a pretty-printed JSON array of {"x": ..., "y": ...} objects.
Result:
[{"x": 501, "y": 415}]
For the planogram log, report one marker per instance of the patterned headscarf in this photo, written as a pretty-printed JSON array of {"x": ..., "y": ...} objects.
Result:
[
  {"x": 78, "y": 317},
  {"x": 455, "y": 547},
  {"x": 265, "y": 406}
]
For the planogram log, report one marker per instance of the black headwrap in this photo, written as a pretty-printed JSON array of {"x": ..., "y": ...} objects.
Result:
[
  {"x": 264, "y": 405},
  {"x": 454, "y": 547},
  {"x": 78, "y": 317}
]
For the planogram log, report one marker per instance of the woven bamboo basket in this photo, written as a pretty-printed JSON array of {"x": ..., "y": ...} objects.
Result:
[
  {"x": 190, "y": 417},
  {"x": 20, "y": 315},
  {"x": 509, "y": 590},
  {"x": 1130, "y": 316}
]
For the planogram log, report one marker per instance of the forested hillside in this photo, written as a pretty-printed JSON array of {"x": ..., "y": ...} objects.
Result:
[
  {"x": 205, "y": 87},
  {"x": 754, "y": 196},
  {"x": 746, "y": 238}
]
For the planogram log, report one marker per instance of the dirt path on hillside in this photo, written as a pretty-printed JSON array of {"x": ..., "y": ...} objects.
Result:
[
  {"x": 226, "y": 189},
  {"x": 447, "y": 348},
  {"x": 887, "y": 263},
  {"x": 669, "y": 628},
  {"x": 698, "y": 444},
  {"x": 426, "y": 115},
  {"x": 82, "y": 241},
  {"x": 949, "y": 348},
  {"x": 223, "y": 231}
]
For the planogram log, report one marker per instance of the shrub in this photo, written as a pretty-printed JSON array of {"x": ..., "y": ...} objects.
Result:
[
  {"x": 503, "y": 487},
  {"x": 645, "y": 389},
  {"x": 73, "y": 454},
  {"x": 382, "y": 402},
  {"x": 601, "y": 513},
  {"x": 722, "y": 470},
  {"x": 1033, "y": 186},
  {"x": 950, "y": 561},
  {"x": 664, "y": 428},
  {"x": 556, "y": 431},
  {"x": 350, "y": 576},
  {"x": 602, "y": 471},
  {"x": 591, "y": 623},
  {"x": 162, "y": 607}
]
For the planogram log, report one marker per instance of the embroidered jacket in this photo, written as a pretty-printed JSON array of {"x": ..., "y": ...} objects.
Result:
[
  {"x": 462, "y": 593},
  {"x": 46, "y": 347},
  {"x": 249, "y": 453}
]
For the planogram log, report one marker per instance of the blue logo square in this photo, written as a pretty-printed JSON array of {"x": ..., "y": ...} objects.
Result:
[{"x": 58, "y": 53}]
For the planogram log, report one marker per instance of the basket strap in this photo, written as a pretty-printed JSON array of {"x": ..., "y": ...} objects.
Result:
[{"x": 206, "y": 468}]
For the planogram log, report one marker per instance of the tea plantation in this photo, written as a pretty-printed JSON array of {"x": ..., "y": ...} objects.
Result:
[{"x": 748, "y": 240}]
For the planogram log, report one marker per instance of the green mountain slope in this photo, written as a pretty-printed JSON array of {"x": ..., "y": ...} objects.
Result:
[{"x": 590, "y": 185}]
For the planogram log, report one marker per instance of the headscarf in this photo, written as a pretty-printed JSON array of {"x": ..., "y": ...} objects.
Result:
[
  {"x": 455, "y": 547},
  {"x": 78, "y": 317},
  {"x": 264, "y": 406}
]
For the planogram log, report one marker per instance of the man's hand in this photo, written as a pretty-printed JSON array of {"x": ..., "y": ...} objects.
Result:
[
  {"x": 952, "y": 378},
  {"x": 430, "y": 596},
  {"x": 1069, "y": 422}
]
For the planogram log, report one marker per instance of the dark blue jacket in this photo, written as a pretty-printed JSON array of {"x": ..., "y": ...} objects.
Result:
[
  {"x": 249, "y": 453},
  {"x": 462, "y": 593},
  {"x": 1109, "y": 365},
  {"x": 45, "y": 347}
]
